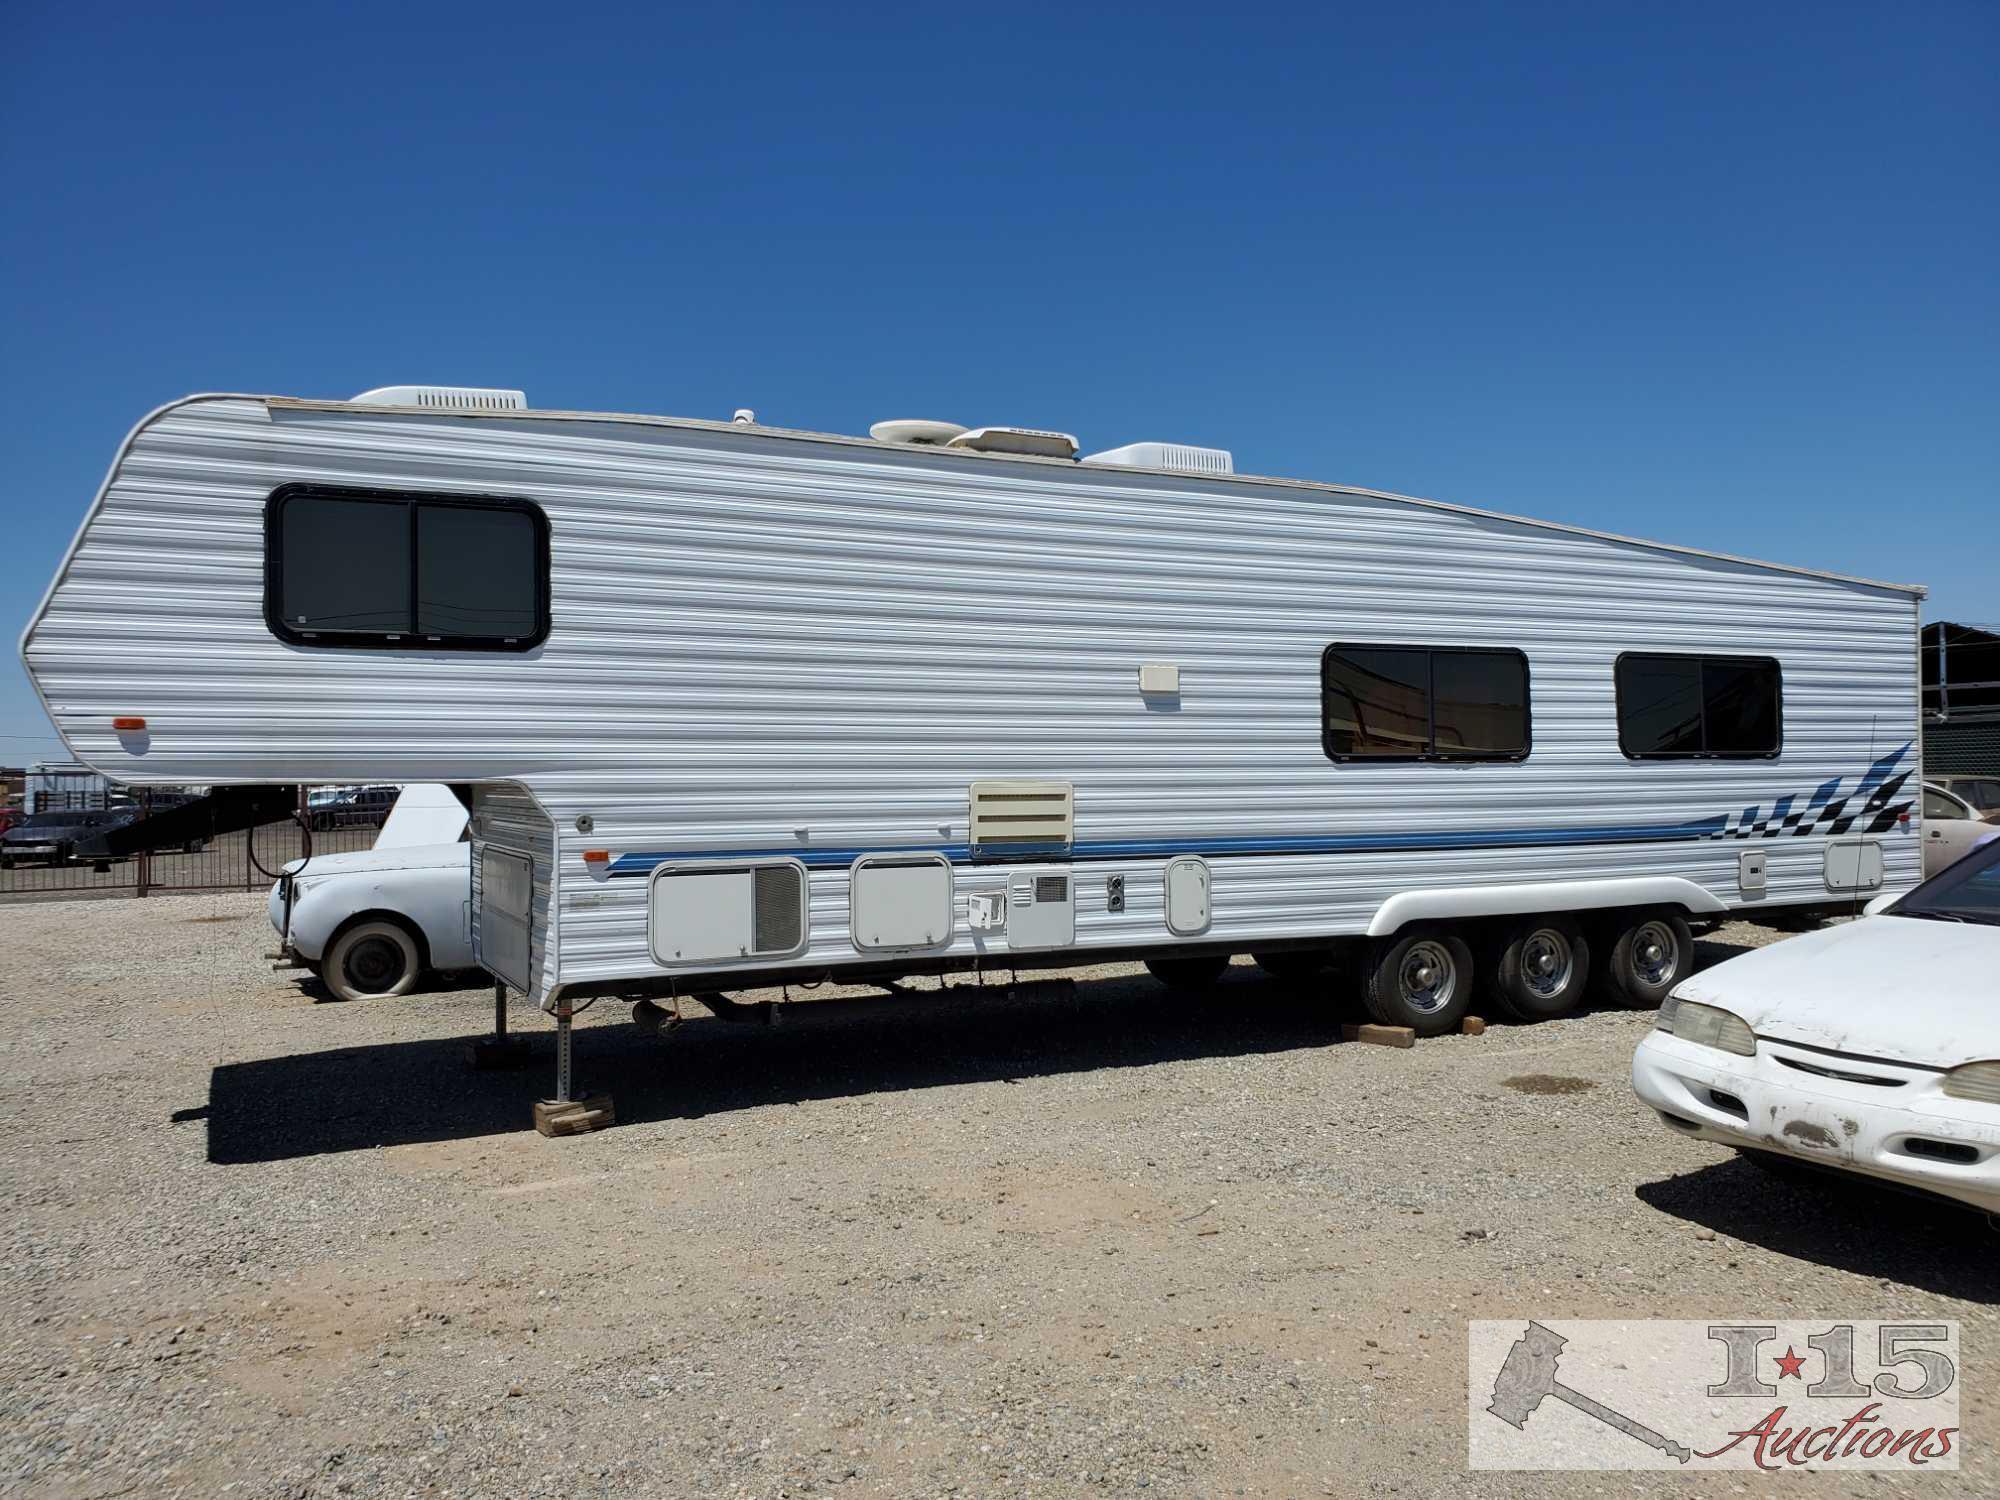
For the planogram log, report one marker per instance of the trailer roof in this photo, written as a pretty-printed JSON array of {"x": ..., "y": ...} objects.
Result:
[{"x": 1916, "y": 590}]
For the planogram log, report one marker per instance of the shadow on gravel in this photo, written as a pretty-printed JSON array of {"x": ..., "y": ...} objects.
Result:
[
  {"x": 1840, "y": 1223},
  {"x": 363, "y": 1097}
]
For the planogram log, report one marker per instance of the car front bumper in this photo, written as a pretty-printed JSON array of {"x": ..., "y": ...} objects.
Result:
[{"x": 1884, "y": 1120}]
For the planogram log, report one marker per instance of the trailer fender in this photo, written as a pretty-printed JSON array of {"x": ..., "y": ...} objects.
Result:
[{"x": 1449, "y": 903}]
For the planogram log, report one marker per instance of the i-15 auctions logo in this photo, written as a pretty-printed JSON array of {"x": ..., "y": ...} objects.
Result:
[{"x": 1824, "y": 1394}]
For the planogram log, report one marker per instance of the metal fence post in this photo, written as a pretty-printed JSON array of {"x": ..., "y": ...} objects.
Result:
[{"x": 144, "y": 874}]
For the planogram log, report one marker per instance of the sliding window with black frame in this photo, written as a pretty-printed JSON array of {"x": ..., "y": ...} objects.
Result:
[
  {"x": 1380, "y": 703},
  {"x": 1699, "y": 707},
  {"x": 405, "y": 569}
]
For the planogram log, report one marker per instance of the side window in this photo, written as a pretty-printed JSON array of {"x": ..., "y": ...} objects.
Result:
[
  {"x": 406, "y": 570},
  {"x": 1938, "y": 805},
  {"x": 1719, "y": 707},
  {"x": 1423, "y": 703}
]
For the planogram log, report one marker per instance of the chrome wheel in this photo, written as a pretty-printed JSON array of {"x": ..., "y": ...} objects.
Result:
[
  {"x": 1656, "y": 952},
  {"x": 1548, "y": 962},
  {"x": 1428, "y": 977}
]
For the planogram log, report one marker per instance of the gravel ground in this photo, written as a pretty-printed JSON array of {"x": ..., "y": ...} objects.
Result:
[{"x": 1108, "y": 1243}]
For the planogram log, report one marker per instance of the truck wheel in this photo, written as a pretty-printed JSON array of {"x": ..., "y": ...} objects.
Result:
[
  {"x": 1422, "y": 980},
  {"x": 1651, "y": 952},
  {"x": 1542, "y": 969},
  {"x": 1293, "y": 963},
  {"x": 1188, "y": 973},
  {"x": 372, "y": 959}
]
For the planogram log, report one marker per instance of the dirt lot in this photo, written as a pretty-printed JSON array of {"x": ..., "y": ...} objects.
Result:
[{"x": 1108, "y": 1244}]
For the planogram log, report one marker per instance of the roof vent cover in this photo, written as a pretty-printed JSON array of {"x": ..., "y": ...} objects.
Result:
[
  {"x": 445, "y": 398},
  {"x": 1178, "y": 458},
  {"x": 1029, "y": 441}
]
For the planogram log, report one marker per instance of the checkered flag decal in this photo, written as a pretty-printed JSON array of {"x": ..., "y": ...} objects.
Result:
[{"x": 1871, "y": 805}]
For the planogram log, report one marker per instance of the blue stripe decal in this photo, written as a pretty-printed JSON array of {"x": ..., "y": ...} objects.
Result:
[
  {"x": 1305, "y": 843},
  {"x": 1102, "y": 849}
]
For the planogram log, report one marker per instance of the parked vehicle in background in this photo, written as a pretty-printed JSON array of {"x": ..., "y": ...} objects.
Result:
[
  {"x": 358, "y": 807},
  {"x": 57, "y": 838},
  {"x": 370, "y": 923},
  {"x": 9, "y": 816},
  {"x": 1981, "y": 793},
  {"x": 1871, "y": 1047},
  {"x": 1952, "y": 828}
]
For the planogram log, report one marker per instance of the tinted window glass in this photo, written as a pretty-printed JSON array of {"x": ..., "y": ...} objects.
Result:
[
  {"x": 1420, "y": 702},
  {"x": 1479, "y": 703},
  {"x": 1698, "y": 705},
  {"x": 404, "y": 569},
  {"x": 477, "y": 572},
  {"x": 1376, "y": 700},
  {"x": 1740, "y": 699},
  {"x": 1659, "y": 705},
  {"x": 1968, "y": 890},
  {"x": 345, "y": 565}
]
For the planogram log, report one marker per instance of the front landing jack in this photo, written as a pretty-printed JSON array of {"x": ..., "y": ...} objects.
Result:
[
  {"x": 498, "y": 1050},
  {"x": 566, "y": 1114}
]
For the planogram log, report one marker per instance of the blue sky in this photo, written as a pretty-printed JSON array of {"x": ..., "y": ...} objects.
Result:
[{"x": 1717, "y": 274}]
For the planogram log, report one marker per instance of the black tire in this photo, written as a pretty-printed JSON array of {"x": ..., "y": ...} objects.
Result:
[
  {"x": 1541, "y": 969},
  {"x": 1421, "y": 979},
  {"x": 1187, "y": 974},
  {"x": 1651, "y": 952},
  {"x": 1293, "y": 963},
  {"x": 372, "y": 960}
]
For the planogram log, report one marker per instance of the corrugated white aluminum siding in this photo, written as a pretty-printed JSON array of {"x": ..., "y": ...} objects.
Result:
[{"x": 765, "y": 642}]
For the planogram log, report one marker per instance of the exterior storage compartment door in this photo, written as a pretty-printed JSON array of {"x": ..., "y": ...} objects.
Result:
[
  {"x": 899, "y": 901},
  {"x": 1854, "y": 865},
  {"x": 713, "y": 914},
  {"x": 506, "y": 914}
]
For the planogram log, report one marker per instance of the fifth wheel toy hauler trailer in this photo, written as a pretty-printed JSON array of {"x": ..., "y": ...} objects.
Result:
[{"x": 733, "y": 704}]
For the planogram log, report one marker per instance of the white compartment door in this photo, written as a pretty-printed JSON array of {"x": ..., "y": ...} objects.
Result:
[
  {"x": 1854, "y": 865},
  {"x": 506, "y": 915},
  {"x": 1187, "y": 897},
  {"x": 899, "y": 901}
]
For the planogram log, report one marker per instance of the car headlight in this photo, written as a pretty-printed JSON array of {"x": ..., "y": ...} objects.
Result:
[
  {"x": 1707, "y": 1026},
  {"x": 1980, "y": 1080}
]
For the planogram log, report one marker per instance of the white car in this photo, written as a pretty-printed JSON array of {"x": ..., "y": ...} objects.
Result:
[
  {"x": 1872, "y": 1047},
  {"x": 371, "y": 922},
  {"x": 1953, "y": 828}
]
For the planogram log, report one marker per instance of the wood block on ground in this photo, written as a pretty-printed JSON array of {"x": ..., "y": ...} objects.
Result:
[
  {"x": 1381, "y": 1036},
  {"x": 1472, "y": 1026},
  {"x": 574, "y": 1116}
]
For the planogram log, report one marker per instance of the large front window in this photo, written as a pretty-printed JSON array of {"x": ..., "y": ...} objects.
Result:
[{"x": 411, "y": 570}]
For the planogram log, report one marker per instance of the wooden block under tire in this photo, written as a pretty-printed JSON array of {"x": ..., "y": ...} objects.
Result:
[
  {"x": 1381, "y": 1036},
  {"x": 574, "y": 1116},
  {"x": 1472, "y": 1026}
]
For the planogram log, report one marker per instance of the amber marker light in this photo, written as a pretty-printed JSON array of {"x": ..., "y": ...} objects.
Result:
[
  {"x": 124, "y": 724},
  {"x": 597, "y": 856}
]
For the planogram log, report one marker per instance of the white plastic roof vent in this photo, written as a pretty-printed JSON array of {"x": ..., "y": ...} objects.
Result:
[
  {"x": 445, "y": 398},
  {"x": 1179, "y": 458},
  {"x": 1028, "y": 440},
  {"x": 915, "y": 430}
]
